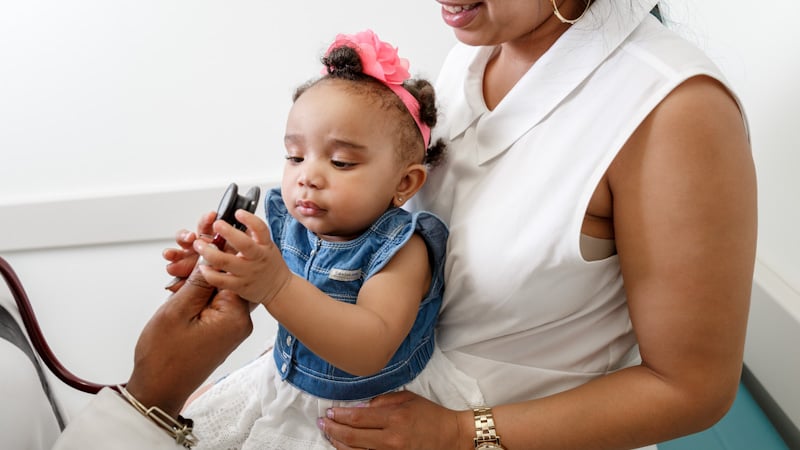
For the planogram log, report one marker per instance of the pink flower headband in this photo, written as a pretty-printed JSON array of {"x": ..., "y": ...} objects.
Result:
[{"x": 381, "y": 61}]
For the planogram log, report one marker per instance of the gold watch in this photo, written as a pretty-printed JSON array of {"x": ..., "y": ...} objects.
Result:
[{"x": 486, "y": 437}]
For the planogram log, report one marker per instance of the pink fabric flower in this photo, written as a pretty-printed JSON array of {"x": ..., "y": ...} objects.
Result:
[{"x": 379, "y": 59}]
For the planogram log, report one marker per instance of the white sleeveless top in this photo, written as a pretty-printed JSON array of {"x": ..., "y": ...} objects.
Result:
[{"x": 523, "y": 312}]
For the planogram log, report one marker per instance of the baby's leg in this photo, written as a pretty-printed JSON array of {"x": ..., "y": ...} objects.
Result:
[
  {"x": 225, "y": 411},
  {"x": 200, "y": 391}
]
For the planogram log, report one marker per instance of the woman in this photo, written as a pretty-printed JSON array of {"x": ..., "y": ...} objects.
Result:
[{"x": 601, "y": 198}]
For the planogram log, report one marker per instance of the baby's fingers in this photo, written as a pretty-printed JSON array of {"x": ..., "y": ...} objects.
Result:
[
  {"x": 256, "y": 228},
  {"x": 204, "y": 225}
]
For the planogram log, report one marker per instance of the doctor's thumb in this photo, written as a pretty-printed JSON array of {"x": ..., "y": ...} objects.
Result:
[{"x": 194, "y": 294}]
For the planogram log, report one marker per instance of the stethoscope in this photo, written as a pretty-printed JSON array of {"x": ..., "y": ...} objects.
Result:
[
  {"x": 231, "y": 201},
  {"x": 37, "y": 338}
]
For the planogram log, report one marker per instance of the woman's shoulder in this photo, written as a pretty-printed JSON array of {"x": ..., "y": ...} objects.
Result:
[
  {"x": 656, "y": 54},
  {"x": 697, "y": 83},
  {"x": 668, "y": 51}
]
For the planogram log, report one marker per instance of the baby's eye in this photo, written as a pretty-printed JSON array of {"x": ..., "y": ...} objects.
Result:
[
  {"x": 294, "y": 159},
  {"x": 342, "y": 164}
]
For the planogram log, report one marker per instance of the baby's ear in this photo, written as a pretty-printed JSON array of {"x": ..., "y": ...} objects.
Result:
[{"x": 411, "y": 182}]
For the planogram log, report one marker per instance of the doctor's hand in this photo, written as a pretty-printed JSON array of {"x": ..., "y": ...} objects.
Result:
[
  {"x": 188, "y": 337},
  {"x": 400, "y": 420}
]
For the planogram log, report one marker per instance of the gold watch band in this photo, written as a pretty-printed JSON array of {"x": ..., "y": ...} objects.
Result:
[{"x": 485, "y": 433}]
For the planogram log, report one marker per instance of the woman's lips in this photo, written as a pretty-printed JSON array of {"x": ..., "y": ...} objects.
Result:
[{"x": 459, "y": 15}]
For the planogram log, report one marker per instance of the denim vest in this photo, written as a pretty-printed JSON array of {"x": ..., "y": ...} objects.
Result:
[{"x": 339, "y": 269}]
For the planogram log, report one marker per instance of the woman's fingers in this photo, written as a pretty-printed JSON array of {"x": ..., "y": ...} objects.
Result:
[
  {"x": 348, "y": 438},
  {"x": 400, "y": 420}
]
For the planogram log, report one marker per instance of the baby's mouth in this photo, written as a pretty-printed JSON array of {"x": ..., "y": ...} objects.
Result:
[{"x": 308, "y": 208}]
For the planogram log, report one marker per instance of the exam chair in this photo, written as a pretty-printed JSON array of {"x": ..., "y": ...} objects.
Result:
[{"x": 31, "y": 417}]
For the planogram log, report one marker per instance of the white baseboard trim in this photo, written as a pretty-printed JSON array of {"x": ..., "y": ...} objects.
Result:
[
  {"x": 116, "y": 218},
  {"x": 772, "y": 351}
]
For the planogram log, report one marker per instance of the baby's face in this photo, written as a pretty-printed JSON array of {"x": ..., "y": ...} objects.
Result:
[{"x": 342, "y": 165}]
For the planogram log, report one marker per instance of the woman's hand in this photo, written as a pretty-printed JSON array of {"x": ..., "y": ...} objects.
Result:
[
  {"x": 255, "y": 269},
  {"x": 181, "y": 260},
  {"x": 400, "y": 420}
]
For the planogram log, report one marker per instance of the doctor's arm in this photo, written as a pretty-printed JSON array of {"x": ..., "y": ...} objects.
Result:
[{"x": 185, "y": 340}]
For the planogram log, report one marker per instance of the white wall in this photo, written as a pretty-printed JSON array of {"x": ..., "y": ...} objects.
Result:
[
  {"x": 104, "y": 97},
  {"x": 121, "y": 122}
]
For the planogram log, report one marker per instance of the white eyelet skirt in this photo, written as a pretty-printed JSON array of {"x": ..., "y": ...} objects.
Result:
[{"x": 252, "y": 408}]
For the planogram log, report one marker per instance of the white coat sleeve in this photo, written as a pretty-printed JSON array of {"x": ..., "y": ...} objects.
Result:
[{"x": 109, "y": 422}]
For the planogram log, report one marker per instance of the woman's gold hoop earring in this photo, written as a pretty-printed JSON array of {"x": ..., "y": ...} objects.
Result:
[{"x": 564, "y": 19}]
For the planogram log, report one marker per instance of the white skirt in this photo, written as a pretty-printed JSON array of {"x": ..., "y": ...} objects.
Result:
[{"x": 253, "y": 408}]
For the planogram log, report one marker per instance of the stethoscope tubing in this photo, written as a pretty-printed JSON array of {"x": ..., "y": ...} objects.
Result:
[{"x": 37, "y": 338}]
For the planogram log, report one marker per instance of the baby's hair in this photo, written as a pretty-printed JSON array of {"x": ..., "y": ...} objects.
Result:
[{"x": 343, "y": 63}]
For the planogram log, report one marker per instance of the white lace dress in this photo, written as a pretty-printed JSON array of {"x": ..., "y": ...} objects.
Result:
[{"x": 252, "y": 408}]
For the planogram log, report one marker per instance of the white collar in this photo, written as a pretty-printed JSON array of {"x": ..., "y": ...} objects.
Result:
[{"x": 561, "y": 70}]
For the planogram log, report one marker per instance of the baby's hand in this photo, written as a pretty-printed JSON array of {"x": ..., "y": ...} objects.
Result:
[
  {"x": 255, "y": 270},
  {"x": 182, "y": 260}
]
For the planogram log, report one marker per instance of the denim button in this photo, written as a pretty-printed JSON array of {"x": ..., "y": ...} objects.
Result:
[
  {"x": 288, "y": 340},
  {"x": 283, "y": 367}
]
